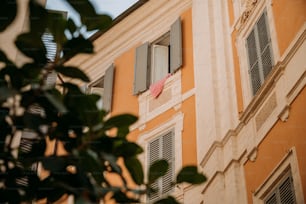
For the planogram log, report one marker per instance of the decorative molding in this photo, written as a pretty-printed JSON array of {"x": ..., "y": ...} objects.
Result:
[
  {"x": 253, "y": 155},
  {"x": 250, "y": 5},
  {"x": 265, "y": 111},
  {"x": 284, "y": 115}
]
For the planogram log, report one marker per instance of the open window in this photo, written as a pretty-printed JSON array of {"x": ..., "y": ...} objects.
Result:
[
  {"x": 104, "y": 88},
  {"x": 156, "y": 59}
]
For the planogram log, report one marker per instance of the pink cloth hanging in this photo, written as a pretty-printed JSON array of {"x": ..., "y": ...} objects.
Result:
[{"x": 157, "y": 87}]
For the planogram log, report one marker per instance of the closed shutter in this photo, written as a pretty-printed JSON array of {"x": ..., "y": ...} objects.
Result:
[
  {"x": 286, "y": 192},
  {"x": 141, "y": 71},
  {"x": 168, "y": 154},
  {"x": 162, "y": 148},
  {"x": 265, "y": 44},
  {"x": 259, "y": 49},
  {"x": 108, "y": 88},
  {"x": 176, "y": 59},
  {"x": 50, "y": 45},
  {"x": 253, "y": 62},
  {"x": 283, "y": 193}
]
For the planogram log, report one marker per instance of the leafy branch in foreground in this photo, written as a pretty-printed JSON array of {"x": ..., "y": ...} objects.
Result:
[{"x": 34, "y": 115}]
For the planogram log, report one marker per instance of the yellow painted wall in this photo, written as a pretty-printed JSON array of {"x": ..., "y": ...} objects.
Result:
[
  {"x": 289, "y": 16},
  {"x": 124, "y": 101},
  {"x": 275, "y": 146}
]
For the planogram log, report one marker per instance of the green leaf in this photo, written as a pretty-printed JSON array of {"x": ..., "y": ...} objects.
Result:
[
  {"x": 71, "y": 26},
  {"x": 31, "y": 70},
  {"x": 135, "y": 169},
  {"x": 190, "y": 174},
  {"x": 168, "y": 200},
  {"x": 157, "y": 169},
  {"x": 31, "y": 45},
  {"x": 100, "y": 22},
  {"x": 121, "y": 197},
  {"x": 56, "y": 102},
  {"x": 127, "y": 149},
  {"x": 113, "y": 162},
  {"x": 38, "y": 18},
  {"x": 5, "y": 93},
  {"x": 56, "y": 25},
  {"x": 72, "y": 72},
  {"x": 76, "y": 46},
  {"x": 8, "y": 10},
  {"x": 83, "y": 7},
  {"x": 3, "y": 57},
  {"x": 123, "y": 120}
]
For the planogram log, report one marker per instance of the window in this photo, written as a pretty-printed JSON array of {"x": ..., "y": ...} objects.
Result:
[
  {"x": 259, "y": 48},
  {"x": 155, "y": 60},
  {"x": 104, "y": 88},
  {"x": 162, "y": 148},
  {"x": 283, "y": 193}
]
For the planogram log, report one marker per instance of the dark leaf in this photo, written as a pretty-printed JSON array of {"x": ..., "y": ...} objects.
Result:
[
  {"x": 31, "y": 45},
  {"x": 168, "y": 200},
  {"x": 56, "y": 102},
  {"x": 71, "y": 26},
  {"x": 76, "y": 46},
  {"x": 38, "y": 18},
  {"x": 157, "y": 169},
  {"x": 8, "y": 10},
  {"x": 100, "y": 22},
  {"x": 190, "y": 174},
  {"x": 73, "y": 72},
  {"x": 135, "y": 169},
  {"x": 113, "y": 162},
  {"x": 56, "y": 25},
  {"x": 123, "y": 120},
  {"x": 120, "y": 197},
  {"x": 83, "y": 7},
  {"x": 127, "y": 149},
  {"x": 31, "y": 70},
  {"x": 3, "y": 57},
  {"x": 5, "y": 93}
]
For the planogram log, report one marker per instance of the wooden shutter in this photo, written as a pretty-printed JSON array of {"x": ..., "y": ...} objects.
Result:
[
  {"x": 154, "y": 155},
  {"x": 264, "y": 44},
  {"x": 141, "y": 69},
  {"x": 176, "y": 59},
  {"x": 283, "y": 193},
  {"x": 286, "y": 192},
  {"x": 108, "y": 88},
  {"x": 259, "y": 49},
  {"x": 51, "y": 79},
  {"x": 162, "y": 148},
  {"x": 253, "y": 62},
  {"x": 168, "y": 154}
]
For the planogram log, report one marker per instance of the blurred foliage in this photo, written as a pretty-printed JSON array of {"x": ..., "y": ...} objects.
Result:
[{"x": 37, "y": 112}]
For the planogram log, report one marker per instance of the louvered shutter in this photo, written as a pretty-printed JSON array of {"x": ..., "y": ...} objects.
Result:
[
  {"x": 168, "y": 154},
  {"x": 283, "y": 193},
  {"x": 286, "y": 192},
  {"x": 176, "y": 59},
  {"x": 265, "y": 44},
  {"x": 162, "y": 148},
  {"x": 259, "y": 50},
  {"x": 253, "y": 62},
  {"x": 108, "y": 88},
  {"x": 141, "y": 71},
  {"x": 154, "y": 155}
]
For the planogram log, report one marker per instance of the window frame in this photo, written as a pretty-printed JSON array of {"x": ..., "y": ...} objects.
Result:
[
  {"x": 143, "y": 58},
  {"x": 175, "y": 124},
  {"x": 243, "y": 32}
]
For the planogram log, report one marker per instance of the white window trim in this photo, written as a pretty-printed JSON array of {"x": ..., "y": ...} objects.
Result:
[
  {"x": 175, "y": 124},
  {"x": 242, "y": 50},
  {"x": 289, "y": 161}
]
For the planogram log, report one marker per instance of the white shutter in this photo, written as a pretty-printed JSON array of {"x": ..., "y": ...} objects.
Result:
[
  {"x": 162, "y": 148},
  {"x": 168, "y": 154},
  {"x": 154, "y": 155},
  {"x": 160, "y": 62}
]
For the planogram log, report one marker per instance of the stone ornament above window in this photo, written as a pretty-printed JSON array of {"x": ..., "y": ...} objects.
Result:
[{"x": 249, "y": 6}]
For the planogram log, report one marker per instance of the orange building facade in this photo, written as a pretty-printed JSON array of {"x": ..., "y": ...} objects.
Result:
[
  {"x": 234, "y": 96},
  {"x": 230, "y": 79}
]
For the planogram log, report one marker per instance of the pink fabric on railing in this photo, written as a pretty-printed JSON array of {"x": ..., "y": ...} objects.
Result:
[{"x": 157, "y": 88}]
